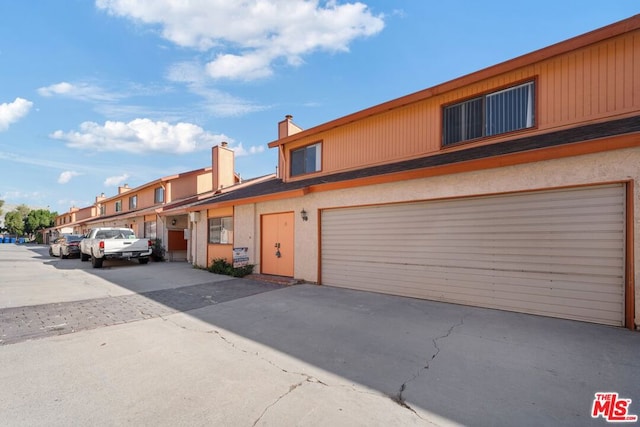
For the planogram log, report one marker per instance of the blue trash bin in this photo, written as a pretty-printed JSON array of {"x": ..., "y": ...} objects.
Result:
[
  {"x": 13, "y": 240},
  {"x": 21, "y": 240},
  {"x": 7, "y": 240}
]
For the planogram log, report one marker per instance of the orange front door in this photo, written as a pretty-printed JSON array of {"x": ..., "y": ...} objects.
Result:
[{"x": 277, "y": 244}]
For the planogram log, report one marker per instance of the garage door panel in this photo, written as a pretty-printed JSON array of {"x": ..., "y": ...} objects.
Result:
[
  {"x": 562, "y": 205},
  {"x": 558, "y": 265},
  {"x": 424, "y": 277},
  {"x": 558, "y": 253},
  {"x": 505, "y": 298}
]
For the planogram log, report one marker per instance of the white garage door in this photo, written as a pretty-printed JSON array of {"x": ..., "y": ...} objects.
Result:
[{"x": 555, "y": 253}]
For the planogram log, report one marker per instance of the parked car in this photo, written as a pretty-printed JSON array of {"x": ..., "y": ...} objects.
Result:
[
  {"x": 54, "y": 247},
  {"x": 114, "y": 243},
  {"x": 70, "y": 246},
  {"x": 65, "y": 245}
]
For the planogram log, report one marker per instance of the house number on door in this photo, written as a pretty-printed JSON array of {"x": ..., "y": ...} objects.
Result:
[{"x": 278, "y": 254}]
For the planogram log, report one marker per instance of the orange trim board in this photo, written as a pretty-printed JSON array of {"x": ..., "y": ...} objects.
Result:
[{"x": 629, "y": 291}]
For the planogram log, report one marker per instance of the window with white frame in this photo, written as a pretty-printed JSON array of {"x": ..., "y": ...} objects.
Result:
[
  {"x": 119, "y": 206},
  {"x": 103, "y": 210},
  {"x": 306, "y": 159},
  {"x": 158, "y": 195},
  {"x": 133, "y": 202},
  {"x": 221, "y": 230},
  {"x": 491, "y": 114}
]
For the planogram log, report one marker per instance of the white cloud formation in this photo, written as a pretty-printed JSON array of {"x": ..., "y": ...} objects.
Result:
[
  {"x": 114, "y": 181},
  {"x": 216, "y": 102},
  {"x": 80, "y": 91},
  {"x": 66, "y": 176},
  {"x": 240, "y": 151},
  {"x": 140, "y": 136},
  {"x": 13, "y": 111},
  {"x": 250, "y": 36}
]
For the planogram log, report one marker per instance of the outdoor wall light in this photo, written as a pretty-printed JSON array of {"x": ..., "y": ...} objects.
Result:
[
  {"x": 303, "y": 214},
  {"x": 173, "y": 221}
]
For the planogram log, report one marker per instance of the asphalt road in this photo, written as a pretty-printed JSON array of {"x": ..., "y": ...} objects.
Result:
[{"x": 167, "y": 344}]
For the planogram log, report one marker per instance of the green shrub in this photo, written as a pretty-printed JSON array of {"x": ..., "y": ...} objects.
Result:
[
  {"x": 221, "y": 266},
  {"x": 157, "y": 250}
]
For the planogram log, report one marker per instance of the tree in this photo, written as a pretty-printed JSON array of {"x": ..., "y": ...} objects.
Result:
[
  {"x": 1, "y": 204},
  {"x": 14, "y": 223},
  {"x": 23, "y": 210},
  {"x": 38, "y": 219}
]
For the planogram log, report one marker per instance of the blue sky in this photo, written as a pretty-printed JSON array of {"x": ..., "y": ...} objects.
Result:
[{"x": 95, "y": 94}]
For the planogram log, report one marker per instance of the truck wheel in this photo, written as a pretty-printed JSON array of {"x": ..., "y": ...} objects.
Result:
[
  {"x": 143, "y": 260},
  {"x": 96, "y": 262},
  {"x": 84, "y": 257}
]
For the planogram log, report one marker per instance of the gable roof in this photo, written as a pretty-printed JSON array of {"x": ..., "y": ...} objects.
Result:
[{"x": 628, "y": 129}]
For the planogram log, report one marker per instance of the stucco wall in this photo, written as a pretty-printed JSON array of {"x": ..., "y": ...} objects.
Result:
[
  {"x": 588, "y": 169},
  {"x": 198, "y": 241}
]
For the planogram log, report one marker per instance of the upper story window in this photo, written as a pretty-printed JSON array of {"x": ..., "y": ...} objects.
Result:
[
  {"x": 491, "y": 114},
  {"x": 306, "y": 159},
  {"x": 119, "y": 206},
  {"x": 133, "y": 202},
  {"x": 103, "y": 209},
  {"x": 158, "y": 195}
]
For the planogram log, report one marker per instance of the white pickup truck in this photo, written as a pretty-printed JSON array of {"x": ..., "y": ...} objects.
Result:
[{"x": 113, "y": 243}]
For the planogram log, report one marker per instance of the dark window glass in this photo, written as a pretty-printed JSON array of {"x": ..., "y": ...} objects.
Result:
[
  {"x": 159, "y": 195},
  {"x": 306, "y": 159},
  {"x": 492, "y": 114}
]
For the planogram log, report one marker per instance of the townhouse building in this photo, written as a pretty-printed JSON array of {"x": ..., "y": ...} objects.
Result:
[
  {"x": 153, "y": 210},
  {"x": 516, "y": 187}
]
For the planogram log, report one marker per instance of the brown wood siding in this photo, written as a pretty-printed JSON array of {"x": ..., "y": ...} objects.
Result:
[{"x": 586, "y": 85}]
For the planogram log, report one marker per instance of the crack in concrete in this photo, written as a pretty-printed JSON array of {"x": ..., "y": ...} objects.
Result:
[
  {"x": 399, "y": 398},
  {"x": 309, "y": 379}
]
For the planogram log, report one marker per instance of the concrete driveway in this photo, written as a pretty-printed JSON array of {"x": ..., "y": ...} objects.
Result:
[{"x": 301, "y": 355}]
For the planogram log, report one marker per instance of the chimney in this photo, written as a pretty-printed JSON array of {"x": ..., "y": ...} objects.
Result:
[
  {"x": 123, "y": 189},
  {"x": 287, "y": 127},
  {"x": 100, "y": 198},
  {"x": 222, "y": 166}
]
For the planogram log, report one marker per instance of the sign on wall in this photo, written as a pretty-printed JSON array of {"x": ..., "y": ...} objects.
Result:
[{"x": 240, "y": 257}]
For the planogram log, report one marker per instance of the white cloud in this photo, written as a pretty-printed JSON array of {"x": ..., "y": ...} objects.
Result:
[
  {"x": 249, "y": 36},
  {"x": 114, "y": 181},
  {"x": 216, "y": 102},
  {"x": 81, "y": 91},
  {"x": 12, "y": 112},
  {"x": 140, "y": 136},
  {"x": 66, "y": 176},
  {"x": 19, "y": 195},
  {"x": 240, "y": 151}
]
